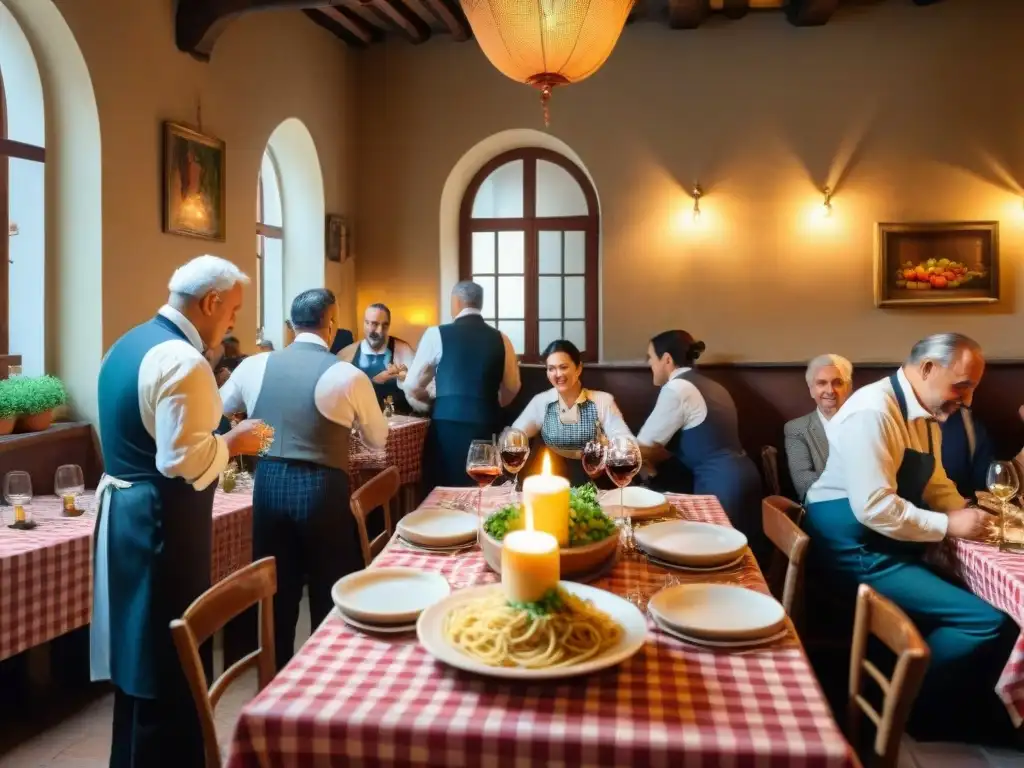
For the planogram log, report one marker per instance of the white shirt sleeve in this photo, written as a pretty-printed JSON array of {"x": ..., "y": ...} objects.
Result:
[
  {"x": 242, "y": 388},
  {"x": 406, "y": 355},
  {"x": 612, "y": 422},
  {"x": 345, "y": 396},
  {"x": 531, "y": 420},
  {"x": 510, "y": 383},
  {"x": 868, "y": 443},
  {"x": 424, "y": 365},
  {"x": 680, "y": 405},
  {"x": 180, "y": 408}
]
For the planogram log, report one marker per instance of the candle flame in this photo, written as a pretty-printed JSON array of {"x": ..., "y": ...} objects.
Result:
[{"x": 545, "y": 469}]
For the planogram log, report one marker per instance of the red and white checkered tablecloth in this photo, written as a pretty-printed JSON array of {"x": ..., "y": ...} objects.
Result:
[
  {"x": 351, "y": 699},
  {"x": 998, "y": 578},
  {"x": 404, "y": 450},
  {"x": 46, "y": 573}
]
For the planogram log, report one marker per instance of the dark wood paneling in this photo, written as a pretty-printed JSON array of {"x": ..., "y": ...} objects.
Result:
[{"x": 40, "y": 453}]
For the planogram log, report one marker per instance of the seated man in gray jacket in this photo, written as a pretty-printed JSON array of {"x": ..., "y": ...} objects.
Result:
[{"x": 830, "y": 381}]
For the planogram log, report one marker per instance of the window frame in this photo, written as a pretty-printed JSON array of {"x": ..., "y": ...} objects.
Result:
[
  {"x": 263, "y": 231},
  {"x": 8, "y": 149},
  {"x": 531, "y": 225}
]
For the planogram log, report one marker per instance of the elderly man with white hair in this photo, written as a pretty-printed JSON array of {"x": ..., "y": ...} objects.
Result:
[
  {"x": 830, "y": 381},
  {"x": 158, "y": 409},
  {"x": 883, "y": 497}
]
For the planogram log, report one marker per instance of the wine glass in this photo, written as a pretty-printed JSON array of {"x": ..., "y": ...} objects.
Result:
[
  {"x": 69, "y": 483},
  {"x": 18, "y": 492},
  {"x": 484, "y": 466},
  {"x": 593, "y": 459},
  {"x": 514, "y": 447},
  {"x": 622, "y": 461},
  {"x": 1002, "y": 483}
]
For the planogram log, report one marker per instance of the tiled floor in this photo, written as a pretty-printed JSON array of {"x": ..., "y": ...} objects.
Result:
[{"x": 77, "y": 734}]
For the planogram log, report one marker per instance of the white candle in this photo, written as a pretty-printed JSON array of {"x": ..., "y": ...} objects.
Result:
[
  {"x": 529, "y": 565},
  {"x": 547, "y": 496}
]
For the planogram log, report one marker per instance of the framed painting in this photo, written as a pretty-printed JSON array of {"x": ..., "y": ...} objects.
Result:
[
  {"x": 194, "y": 176},
  {"x": 940, "y": 263},
  {"x": 336, "y": 239}
]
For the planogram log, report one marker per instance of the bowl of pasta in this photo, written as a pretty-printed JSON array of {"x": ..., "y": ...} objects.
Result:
[{"x": 593, "y": 535}]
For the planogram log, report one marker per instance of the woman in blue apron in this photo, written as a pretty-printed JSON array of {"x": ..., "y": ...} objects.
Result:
[{"x": 969, "y": 639}]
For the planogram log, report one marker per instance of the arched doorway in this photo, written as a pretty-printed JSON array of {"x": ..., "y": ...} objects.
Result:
[{"x": 269, "y": 254}]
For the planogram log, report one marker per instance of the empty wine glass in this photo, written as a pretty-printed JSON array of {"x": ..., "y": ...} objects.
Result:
[
  {"x": 484, "y": 466},
  {"x": 1003, "y": 483},
  {"x": 69, "y": 484},
  {"x": 18, "y": 492},
  {"x": 622, "y": 462},
  {"x": 514, "y": 447},
  {"x": 593, "y": 459}
]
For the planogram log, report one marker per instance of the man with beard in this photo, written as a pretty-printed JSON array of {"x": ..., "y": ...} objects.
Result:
[
  {"x": 158, "y": 408},
  {"x": 883, "y": 497},
  {"x": 382, "y": 357}
]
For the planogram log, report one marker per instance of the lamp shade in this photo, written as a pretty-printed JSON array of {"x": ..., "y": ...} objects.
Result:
[{"x": 547, "y": 43}]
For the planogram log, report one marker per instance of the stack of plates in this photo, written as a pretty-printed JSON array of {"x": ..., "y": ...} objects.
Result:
[
  {"x": 718, "y": 615},
  {"x": 637, "y": 501},
  {"x": 692, "y": 546},
  {"x": 438, "y": 528},
  {"x": 387, "y": 600}
]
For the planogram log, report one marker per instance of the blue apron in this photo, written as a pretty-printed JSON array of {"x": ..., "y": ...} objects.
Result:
[{"x": 372, "y": 365}]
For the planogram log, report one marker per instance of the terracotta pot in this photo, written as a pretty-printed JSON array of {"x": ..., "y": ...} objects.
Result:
[
  {"x": 36, "y": 422},
  {"x": 7, "y": 426}
]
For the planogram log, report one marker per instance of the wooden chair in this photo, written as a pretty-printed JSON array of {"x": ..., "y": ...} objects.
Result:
[
  {"x": 256, "y": 583},
  {"x": 770, "y": 469},
  {"x": 781, "y": 519},
  {"x": 878, "y": 616},
  {"x": 380, "y": 491}
]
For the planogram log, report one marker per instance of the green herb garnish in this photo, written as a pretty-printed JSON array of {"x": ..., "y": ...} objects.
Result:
[
  {"x": 551, "y": 603},
  {"x": 587, "y": 521},
  {"x": 508, "y": 518}
]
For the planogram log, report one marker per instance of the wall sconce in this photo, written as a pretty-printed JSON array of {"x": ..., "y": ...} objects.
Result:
[
  {"x": 698, "y": 193},
  {"x": 827, "y": 204},
  {"x": 12, "y": 229}
]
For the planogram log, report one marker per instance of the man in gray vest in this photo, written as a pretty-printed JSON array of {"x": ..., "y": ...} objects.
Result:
[{"x": 301, "y": 510}]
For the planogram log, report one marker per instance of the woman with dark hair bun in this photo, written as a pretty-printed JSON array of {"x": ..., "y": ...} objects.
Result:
[
  {"x": 695, "y": 423},
  {"x": 567, "y": 416}
]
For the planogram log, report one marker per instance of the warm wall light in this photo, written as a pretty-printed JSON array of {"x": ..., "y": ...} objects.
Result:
[
  {"x": 698, "y": 193},
  {"x": 827, "y": 204}
]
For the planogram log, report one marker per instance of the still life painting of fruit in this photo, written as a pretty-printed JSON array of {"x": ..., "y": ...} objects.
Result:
[{"x": 929, "y": 264}]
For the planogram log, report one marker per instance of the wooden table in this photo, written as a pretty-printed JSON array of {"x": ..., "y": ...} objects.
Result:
[{"x": 352, "y": 698}]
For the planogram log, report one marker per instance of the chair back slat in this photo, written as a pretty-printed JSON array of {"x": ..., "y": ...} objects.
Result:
[
  {"x": 879, "y": 616},
  {"x": 380, "y": 491},
  {"x": 779, "y": 517},
  {"x": 256, "y": 583},
  {"x": 770, "y": 469}
]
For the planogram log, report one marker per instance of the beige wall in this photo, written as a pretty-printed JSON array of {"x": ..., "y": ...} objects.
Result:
[
  {"x": 266, "y": 68},
  {"x": 910, "y": 113}
]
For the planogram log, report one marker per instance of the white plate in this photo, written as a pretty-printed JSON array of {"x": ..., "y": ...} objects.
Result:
[
  {"x": 718, "y": 611},
  {"x": 375, "y": 629},
  {"x": 438, "y": 527},
  {"x": 388, "y": 595},
  {"x": 695, "y": 568},
  {"x": 690, "y": 543},
  {"x": 738, "y": 644},
  {"x": 639, "y": 501},
  {"x": 430, "y": 630}
]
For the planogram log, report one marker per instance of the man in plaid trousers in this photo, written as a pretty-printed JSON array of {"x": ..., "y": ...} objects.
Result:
[{"x": 301, "y": 510}]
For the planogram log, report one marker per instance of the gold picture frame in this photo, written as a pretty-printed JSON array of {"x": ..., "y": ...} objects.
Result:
[
  {"x": 194, "y": 176},
  {"x": 936, "y": 263}
]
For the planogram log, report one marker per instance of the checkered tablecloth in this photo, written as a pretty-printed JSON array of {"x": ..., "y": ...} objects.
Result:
[
  {"x": 351, "y": 699},
  {"x": 404, "y": 450},
  {"x": 998, "y": 578},
  {"x": 46, "y": 573}
]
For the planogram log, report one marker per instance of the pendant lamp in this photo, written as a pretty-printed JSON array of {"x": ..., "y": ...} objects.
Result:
[{"x": 547, "y": 43}]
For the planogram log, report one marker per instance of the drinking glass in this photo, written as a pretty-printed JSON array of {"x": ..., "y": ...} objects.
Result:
[
  {"x": 1003, "y": 483},
  {"x": 514, "y": 447},
  {"x": 69, "y": 484},
  {"x": 18, "y": 492},
  {"x": 484, "y": 466},
  {"x": 593, "y": 459},
  {"x": 13, "y": 371},
  {"x": 622, "y": 462}
]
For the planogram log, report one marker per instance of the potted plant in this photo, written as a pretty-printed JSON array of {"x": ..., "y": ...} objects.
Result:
[
  {"x": 8, "y": 408},
  {"x": 35, "y": 398}
]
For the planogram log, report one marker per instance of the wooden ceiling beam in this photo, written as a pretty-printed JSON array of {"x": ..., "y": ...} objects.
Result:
[
  {"x": 687, "y": 14},
  {"x": 415, "y": 28},
  {"x": 355, "y": 23},
  {"x": 198, "y": 23},
  {"x": 451, "y": 15},
  {"x": 810, "y": 13},
  {"x": 338, "y": 29}
]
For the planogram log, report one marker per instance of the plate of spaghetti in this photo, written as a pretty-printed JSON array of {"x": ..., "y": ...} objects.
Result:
[{"x": 574, "y": 630}]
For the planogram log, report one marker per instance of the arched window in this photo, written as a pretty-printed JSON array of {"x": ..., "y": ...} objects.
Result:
[
  {"x": 528, "y": 233},
  {"x": 22, "y": 205},
  {"x": 270, "y": 253}
]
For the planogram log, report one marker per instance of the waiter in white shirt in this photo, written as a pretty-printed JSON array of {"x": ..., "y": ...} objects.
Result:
[
  {"x": 476, "y": 373},
  {"x": 882, "y": 497},
  {"x": 382, "y": 357},
  {"x": 301, "y": 512},
  {"x": 158, "y": 409}
]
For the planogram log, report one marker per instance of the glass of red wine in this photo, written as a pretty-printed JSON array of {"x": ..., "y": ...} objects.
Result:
[
  {"x": 593, "y": 459},
  {"x": 514, "y": 447},
  {"x": 622, "y": 462},
  {"x": 484, "y": 466}
]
